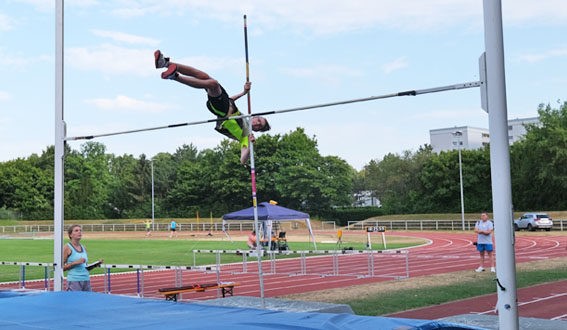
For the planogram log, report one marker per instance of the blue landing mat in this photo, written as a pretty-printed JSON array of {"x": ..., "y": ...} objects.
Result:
[{"x": 90, "y": 310}]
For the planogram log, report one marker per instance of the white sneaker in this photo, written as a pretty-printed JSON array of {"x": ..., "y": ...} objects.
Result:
[
  {"x": 479, "y": 270},
  {"x": 492, "y": 269},
  {"x": 170, "y": 73},
  {"x": 161, "y": 61}
]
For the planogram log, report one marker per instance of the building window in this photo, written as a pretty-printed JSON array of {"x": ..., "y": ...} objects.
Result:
[
  {"x": 510, "y": 127},
  {"x": 460, "y": 142},
  {"x": 454, "y": 143},
  {"x": 510, "y": 137},
  {"x": 485, "y": 135}
]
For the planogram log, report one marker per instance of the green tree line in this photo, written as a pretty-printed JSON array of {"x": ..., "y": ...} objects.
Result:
[
  {"x": 428, "y": 182},
  {"x": 99, "y": 185},
  {"x": 290, "y": 170}
]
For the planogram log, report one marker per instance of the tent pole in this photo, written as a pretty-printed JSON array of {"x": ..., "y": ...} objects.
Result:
[
  {"x": 253, "y": 173},
  {"x": 311, "y": 233},
  {"x": 225, "y": 232}
]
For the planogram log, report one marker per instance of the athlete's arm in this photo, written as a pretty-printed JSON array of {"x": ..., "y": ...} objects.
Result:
[
  {"x": 245, "y": 151},
  {"x": 66, "y": 253},
  {"x": 246, "y": 90}
]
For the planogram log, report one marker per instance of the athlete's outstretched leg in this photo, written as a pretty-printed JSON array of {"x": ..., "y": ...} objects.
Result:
[
  {"x": 187, "y": 75},
  {"x": 191, "y": 71}
]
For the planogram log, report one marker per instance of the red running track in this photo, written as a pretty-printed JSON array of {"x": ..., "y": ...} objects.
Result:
[
  {"x": 445, "y": 253},
  {"x": 545, "y": 301}
]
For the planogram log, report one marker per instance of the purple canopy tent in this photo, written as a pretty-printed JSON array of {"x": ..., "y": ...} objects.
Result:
[{"x": 269, "y": 212}]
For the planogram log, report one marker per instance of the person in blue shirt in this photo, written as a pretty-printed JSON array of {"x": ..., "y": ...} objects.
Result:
[
  {"x": 484, "y": 228},
  {"x": 173, "y": 227},
  {"x": 75, "y": 261}
]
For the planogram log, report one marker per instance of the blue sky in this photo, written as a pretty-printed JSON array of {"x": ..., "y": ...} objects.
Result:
[{"x": 301, "y": 53}]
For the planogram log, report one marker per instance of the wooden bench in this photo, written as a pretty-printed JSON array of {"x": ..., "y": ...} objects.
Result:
[{"x": 171, "y": 294}]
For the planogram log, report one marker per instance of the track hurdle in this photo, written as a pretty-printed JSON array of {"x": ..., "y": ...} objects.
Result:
[
  {"x": 358, "y": 263},
  {"x": 141, "y": 270},
  {"x": 48, "y": 270}
]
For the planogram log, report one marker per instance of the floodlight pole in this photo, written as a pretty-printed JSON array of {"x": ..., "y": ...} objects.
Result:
[
  {"x": 459, "y": 134},
  {"x": 59, "y": 152},
  {"x": 507, "y": 304}
]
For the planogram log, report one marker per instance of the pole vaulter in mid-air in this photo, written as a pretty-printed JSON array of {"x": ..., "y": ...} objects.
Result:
[{"x": 218, "y": 103}]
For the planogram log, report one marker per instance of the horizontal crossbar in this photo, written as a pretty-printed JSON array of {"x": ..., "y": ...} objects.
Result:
[
  {"x": 154, "y": 267},
  {"x": 273, "y": 112},
  {"x": 42, "y": 264}
]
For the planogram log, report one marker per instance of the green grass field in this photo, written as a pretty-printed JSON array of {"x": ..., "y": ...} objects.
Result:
[
  {"x": 414, "y": 293},
  {"x": 405, "y": 299},
  {"x": 136, "y": 252}
]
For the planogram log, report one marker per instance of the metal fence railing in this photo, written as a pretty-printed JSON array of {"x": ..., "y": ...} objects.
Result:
[
  {"x": 559, "y": 224},
  {"x": 122, "y": 227}
]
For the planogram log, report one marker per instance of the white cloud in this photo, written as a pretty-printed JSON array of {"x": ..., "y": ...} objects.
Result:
[
  {"x": 397, "y": 64},
  {"x": 449, "y": 114},
  {"x": 6, "y": 22},
  {"x": 82, "y": 3},
  {"x": 40, "y": 5},
  {"x": 330, "y": 74},
  {"x": 48, "y": 5},
  {"x": 211, "y": 64},
  {"x": 121, "y": 102},
  {"x": 14, "y": 62},
  {"x": 5, "y": 96},
  {"x": 358, "y": 143},
  {"x": 337, "y": 16},
  {"x": 532, "y": 58},
  {"x": 137, "y": 11},
  {"x": 334, "y": 17},
  {"x": 111, "y": 59},
  {"x": 544, "y": 12},
  {"x": 127, "y": 38}
]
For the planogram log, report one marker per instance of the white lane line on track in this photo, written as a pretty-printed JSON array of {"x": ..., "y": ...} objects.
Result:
[
  {"x": 559, "y": 317},
  {"x": 554, "y": 246},
  {"x": 536, "y": 300},
  {"x": 429, "y": 242},
  {"x": 531, "y": 244},
  {"x": 449, "y": 243}
]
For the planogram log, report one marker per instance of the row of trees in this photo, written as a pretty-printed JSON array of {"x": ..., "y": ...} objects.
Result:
[
  {"x": 99, "y": 185},
  {"x": 289, "y": 169},
  {"x": 427, "y": 182}
]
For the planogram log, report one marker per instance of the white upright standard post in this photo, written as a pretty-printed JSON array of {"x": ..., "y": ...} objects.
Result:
[
  {"x": 461, "y": 182},
  {"x": 256, "y": 223},
  {"x": 152, "y": 164},
  {"x": 58, "y": 210},
  {"x": 500, "y": 166}
]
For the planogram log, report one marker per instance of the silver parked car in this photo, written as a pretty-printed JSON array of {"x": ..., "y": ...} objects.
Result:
[{"x": 533, "y": 221}]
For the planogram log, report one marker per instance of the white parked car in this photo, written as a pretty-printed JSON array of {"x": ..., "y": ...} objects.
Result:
[{"x": 533, "y": 221}]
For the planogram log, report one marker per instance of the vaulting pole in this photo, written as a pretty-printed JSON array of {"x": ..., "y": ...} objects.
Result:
[{"x": 253, "y": 173}]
